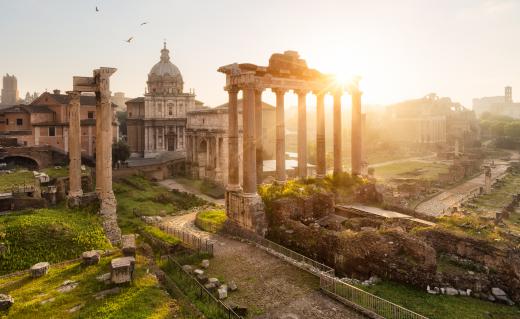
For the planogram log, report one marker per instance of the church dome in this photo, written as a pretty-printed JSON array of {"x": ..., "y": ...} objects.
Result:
[{"x": 165, "y": 77}]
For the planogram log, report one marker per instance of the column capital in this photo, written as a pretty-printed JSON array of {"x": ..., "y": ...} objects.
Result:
[
  {"x": 232, "y": 89},
  {"x": 279, "y": 91},
  {"x": 301, "y": 92},
  {"x": 73, "y": 94},
  {"x": 319, "y": 93}
]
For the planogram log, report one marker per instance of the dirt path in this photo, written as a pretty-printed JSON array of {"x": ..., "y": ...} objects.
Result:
[
  {"x": 173, "y": 184},
  {"x": 269, "y": 287}
]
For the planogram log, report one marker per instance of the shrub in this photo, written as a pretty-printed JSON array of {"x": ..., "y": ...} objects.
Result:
[
  {"x": 211, "y": 220},
  {"x": 161, "y": 235}
]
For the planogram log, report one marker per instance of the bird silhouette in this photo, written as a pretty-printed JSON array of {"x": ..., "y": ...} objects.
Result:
[
  {"x": 144, "y": 23},
  {"x": 129, "y": 39},
  {"x": 97, "y": 9}
]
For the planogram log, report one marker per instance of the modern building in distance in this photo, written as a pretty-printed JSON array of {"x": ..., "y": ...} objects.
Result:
[
  {"x": 498, "y": 105},
  {"x": 46, "y": 122},
  {"x": 10, "y": 94},
  {"x": 156, "y": 123}
]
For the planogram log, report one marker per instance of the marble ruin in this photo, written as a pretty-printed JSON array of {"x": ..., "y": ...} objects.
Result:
[
  {"x": 284, "y": 73},
  {"x": 99, "y": 83}
]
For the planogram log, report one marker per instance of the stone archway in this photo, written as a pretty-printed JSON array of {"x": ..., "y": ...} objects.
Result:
[
  {"x": 23, "y": 161},
  {"x": 202, "y": 158}
]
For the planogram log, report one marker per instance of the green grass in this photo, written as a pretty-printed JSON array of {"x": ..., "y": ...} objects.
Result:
[
  {"x": 146, "y": 198},
  {"x": 211, "y": 220},
  {"x": 141, "y": 299},
  {"x": 159, "y": 234},
  {"x": 61, "y": 171},
  {"x": 441, "y": 306},
  {"x": 411, "y": 169},
  {"x": 500, "y": 196},
  {"x": 17, "y": 178},
  {"x": 204, "y": 186},
  {"x": 51, "y": 235}
]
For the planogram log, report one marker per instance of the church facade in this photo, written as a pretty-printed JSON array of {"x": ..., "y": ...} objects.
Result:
[{"x": 157, "y": 122}]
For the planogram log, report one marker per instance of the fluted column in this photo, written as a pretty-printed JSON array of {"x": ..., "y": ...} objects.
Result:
[
  {"x": 258, "y": 136},
  {"x": 320, "y": 135},
  {"x": 248, "y": 141},
  {"x": 356, "y": 132},
  {"x": 281, "y": 175},
  {"x": 74, "y": 145},
  {"x": 233, "y": 170},
  {"x": 302, "y": 134},
  {"x": 337, "y": 133}
]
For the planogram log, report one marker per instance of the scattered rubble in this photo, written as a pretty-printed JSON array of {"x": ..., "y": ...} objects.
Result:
[
  {"x": 90, "y": 257},
  {"x": 6, "y": 301}
]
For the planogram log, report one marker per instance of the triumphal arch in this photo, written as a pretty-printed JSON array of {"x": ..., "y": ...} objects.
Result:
[
  {"x": 285, "y": 72},
  {"x": 99, "y": 84}
]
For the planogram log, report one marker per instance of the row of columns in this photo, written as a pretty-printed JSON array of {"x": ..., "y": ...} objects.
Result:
[{"x": 252, "y": 136}]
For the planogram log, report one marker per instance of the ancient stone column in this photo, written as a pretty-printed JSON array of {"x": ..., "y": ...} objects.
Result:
[
  {"x": 356, "y": 132},
  {"x": 302, "y": 134},
  {"x": 75, "y": 190},
  {"x": 233, "y": 170},
  {"x": 320, "y": 135},
  {"x": 249, "y": 149},
  {"x": 281, "y": 175},
  {"x": 106, "y": 120},
  {"x": 258, "y": 136},
  {"x": 99, "y": 148},
  {"x": 337, "y": 133}
]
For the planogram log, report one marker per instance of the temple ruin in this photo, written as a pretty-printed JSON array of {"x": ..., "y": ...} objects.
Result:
[
  {"x": 284, "y": 73},
  {"x": 99, "y": 84}
]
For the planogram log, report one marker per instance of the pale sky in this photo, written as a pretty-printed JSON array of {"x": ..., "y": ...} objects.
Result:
[{"x": 402, "y": 49}]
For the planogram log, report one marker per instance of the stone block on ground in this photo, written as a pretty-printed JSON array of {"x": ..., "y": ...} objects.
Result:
[
  {"x": 198, "y": 272},
  {"x": 214, "y": 281},
  {"x": 105, "y": 278},
  {"x": 67, "y": 286},
  {"x": 202, "y": 278},
  {"x": 90, "y": 257},
  {"x": 188, "y": 268},
  {"x": 128, "y": 244},
  {"x": 39, "y": 269},
  {"x": 204, "y": 263},
  {"x": 210, "y": 286},
  {"x": 451, "y": 291},
  {"x": 501, "y": 296},
  {"x": 222, "y": 292},
  {"x": 104, "y": 293},
  {"x": 232, "y": 286},
  {"x": 6, "y": 301},
  {"x": 121, "y": 270}
]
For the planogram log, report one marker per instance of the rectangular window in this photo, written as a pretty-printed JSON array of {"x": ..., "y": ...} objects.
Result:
[
  {"x": 90, "y": 115},
  {"x": 171, "y": 111},
  {"x": 6, "y": 121},
  {"x": 19, "y": 122},
  {"x": 52, "y": 131}
]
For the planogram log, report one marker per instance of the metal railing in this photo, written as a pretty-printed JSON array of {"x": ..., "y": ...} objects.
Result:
[
  {"x": 190, "y": 240},
  {"x": 364, "y": 301},
  {"x": 293, "y": 257},
  {"x": 192, "y": 288}
]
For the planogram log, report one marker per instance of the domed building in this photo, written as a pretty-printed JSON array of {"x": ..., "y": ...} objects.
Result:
[{"x": 157, "y": 122}]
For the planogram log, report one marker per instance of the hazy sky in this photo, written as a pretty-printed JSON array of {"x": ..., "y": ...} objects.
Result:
[{"x": 402, "y": 49}]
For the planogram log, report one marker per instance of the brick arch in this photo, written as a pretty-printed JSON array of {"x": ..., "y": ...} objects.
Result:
[{"x": 36, "y": 162}]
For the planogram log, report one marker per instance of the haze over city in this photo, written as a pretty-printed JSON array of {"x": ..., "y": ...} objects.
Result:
[{"x": 402, "y": 49}]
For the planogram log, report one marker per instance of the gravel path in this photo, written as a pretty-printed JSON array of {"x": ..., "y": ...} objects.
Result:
[{"x": 269, "y": 287}]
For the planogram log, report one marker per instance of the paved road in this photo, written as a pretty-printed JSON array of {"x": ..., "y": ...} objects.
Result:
[
  {"x": 269, "y": 287},
  {"x": 443, "y": 202},
  {"x": 173, "y": 184}
]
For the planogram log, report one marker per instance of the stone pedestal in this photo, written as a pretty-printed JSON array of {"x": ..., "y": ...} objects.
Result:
[
  {"x": 129, "y": 246},
  {"x": 122, "y": 269},
  {"x": 91, "y": 257},
  {"x": 246, "y": 211},
  {"x": 40, "y": 269}
]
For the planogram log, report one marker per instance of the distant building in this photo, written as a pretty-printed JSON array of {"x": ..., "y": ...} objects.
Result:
[
  {"x": 207, "y": 140},
  {"x": 10, "y": 95},
  {"x": 431, "y": 121},
  {"x": 29, "y": 98},
  {"x": 156, "y": 123},
  {"x": 120, "y": 100},
  {"x": 498, "y": 105},
  {"x": 46, "y": 121}
]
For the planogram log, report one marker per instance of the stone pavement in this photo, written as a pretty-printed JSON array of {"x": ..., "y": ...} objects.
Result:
[{"x": 442, "y": 203}]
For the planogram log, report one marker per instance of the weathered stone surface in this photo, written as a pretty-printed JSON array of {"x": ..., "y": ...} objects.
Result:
[
  {"x": 232, "y": 286},
  {"x": 104, "y": 293},
  {"x": 222, "y": 292},
  {"x": 501, "y": 296},
  {"x": 204, "y": 263},
  {"x": 214, "y": 281},
  {"x": 202, "y": 278},
  {"x": 75, "y": 308},
  {"x": 128, "y": 244},
  {"x": 90, "y": 257},
  {"x": 104, "y": 278},
  {"x": 39, "y": 269},
  {"x": 122, "y": 270},
  {"x": 198, "y": 272},
  {"x": 451, "y": 291},
  {"x": 188, "y": 268},
  {"x": 210, "y": 286},
  {"x": 67, "y": 286},
  {"x": 6, "y": 301}
]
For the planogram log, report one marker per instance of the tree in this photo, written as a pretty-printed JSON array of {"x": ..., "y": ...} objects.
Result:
[
  {"x": 120, "y": 152},
  {"x": 121, "y": 118}
]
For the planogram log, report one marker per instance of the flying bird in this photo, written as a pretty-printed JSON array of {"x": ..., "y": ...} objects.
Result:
[
  {"x": 129, "y": 39},
  {"x": 97, "y": 9},
  {"x": 144, "y": 23}
]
